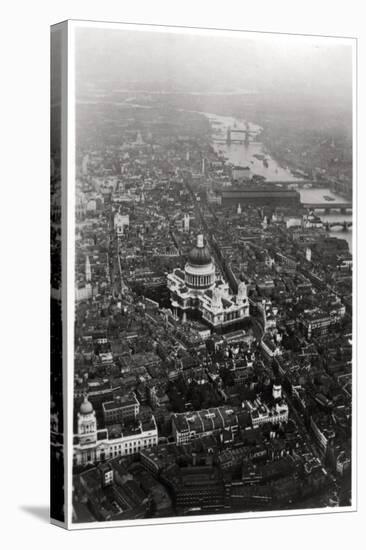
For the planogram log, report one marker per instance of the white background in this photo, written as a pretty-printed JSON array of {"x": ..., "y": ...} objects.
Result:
[{"x": 24, "y": 305}]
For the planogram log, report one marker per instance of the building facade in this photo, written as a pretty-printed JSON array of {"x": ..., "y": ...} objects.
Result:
[
  {"x": 120, "y": 409},
  {"x": 121, "y": 223},
  {"x": 197, "y": 424},
  {"x": 92, "y": 445},
  {"x": 260, "y": 196},
  {"x": 262, "y": 413}
]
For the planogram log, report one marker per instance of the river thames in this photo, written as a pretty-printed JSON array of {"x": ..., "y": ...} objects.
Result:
[{"x": 252, "y": 154}]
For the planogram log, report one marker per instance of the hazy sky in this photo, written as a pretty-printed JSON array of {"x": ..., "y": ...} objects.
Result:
[{"x": 319, "y": 67}]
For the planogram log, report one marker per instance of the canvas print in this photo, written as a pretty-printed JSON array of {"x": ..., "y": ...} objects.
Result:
[{"x": 213, "y": 365}]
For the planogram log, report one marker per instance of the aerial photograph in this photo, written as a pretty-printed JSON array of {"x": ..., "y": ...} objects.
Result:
[{"x": 213, "y": 273}]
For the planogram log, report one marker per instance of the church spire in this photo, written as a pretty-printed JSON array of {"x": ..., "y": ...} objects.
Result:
[{"x": 87, "y": 270}]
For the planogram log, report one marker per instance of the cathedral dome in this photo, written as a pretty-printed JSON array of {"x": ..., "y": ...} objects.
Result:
[
  {"x": 86, "y": 407},
  {"x": 199, "y": 255}
]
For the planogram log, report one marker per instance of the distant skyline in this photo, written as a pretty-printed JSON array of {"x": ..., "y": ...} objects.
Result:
[{"x": 319, "y": 68}]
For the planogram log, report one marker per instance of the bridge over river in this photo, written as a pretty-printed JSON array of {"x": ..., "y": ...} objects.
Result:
[
  {"x": 246, "y": 132},
  {"x": 344, "y": 225},
  {"x": 342, "y": 207}
]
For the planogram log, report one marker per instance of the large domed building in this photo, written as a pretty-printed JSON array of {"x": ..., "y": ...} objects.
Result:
[{"x": 198, "y": 291}]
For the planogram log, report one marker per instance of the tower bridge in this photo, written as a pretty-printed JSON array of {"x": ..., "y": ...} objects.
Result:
[{"x": 244, "y": 131}]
